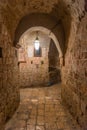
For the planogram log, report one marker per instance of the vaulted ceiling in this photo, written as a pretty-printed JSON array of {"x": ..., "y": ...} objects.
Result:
[{"x": 13, "y": 11}]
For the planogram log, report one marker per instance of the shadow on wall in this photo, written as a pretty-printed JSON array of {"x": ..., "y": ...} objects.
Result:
[
  {"x": 54, "y": 65},
  {"x": 55, "y": 76},
  {"x": 62, "y": 11}
]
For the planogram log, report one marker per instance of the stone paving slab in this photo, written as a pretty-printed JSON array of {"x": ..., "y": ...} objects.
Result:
[{"x": 41, "y": 109}]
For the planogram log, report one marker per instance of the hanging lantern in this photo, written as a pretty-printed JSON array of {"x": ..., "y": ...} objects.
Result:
[{"x": 37, "y": 44}]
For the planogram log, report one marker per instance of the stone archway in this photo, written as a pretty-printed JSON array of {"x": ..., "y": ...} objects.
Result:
[
  {"x": 23, "y": 41},
  {"x": 49, "y": 33},
  {"x": 49, "y": 24}
]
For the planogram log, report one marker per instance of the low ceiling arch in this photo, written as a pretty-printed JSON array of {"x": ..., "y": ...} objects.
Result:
[
  {"x": 48, "y": 33},
  {"x": 44, "y": 20},
  {"x": 13, "y": 12}
]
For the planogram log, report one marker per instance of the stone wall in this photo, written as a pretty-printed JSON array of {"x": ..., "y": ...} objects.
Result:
[
  {"x": 9, "y": 94},
  {"x": 74, "y": 75},
  {"x": 33, "y": 70},
  {"x": 54, "y": 64}
]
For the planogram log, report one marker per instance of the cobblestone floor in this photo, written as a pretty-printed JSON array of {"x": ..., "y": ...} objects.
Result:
[{"x": 41, "y": 109}]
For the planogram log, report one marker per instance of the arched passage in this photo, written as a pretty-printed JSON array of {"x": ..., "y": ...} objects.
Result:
[
  {"x": 26, "y": 51},
  {"x": 49, "y": 34},
  {"x": 70, "y": 12},
  {"x": 49, "y": 24}
]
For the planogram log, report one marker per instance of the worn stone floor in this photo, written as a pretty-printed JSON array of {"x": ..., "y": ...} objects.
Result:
[{"x": 41, "y": 109}]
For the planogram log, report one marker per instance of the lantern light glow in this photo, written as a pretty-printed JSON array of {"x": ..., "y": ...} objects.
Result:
[{"x": 37, "y": 44}]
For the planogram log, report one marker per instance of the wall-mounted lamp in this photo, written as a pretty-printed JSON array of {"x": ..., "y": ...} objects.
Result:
[{"x": 37, "y": 42}]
